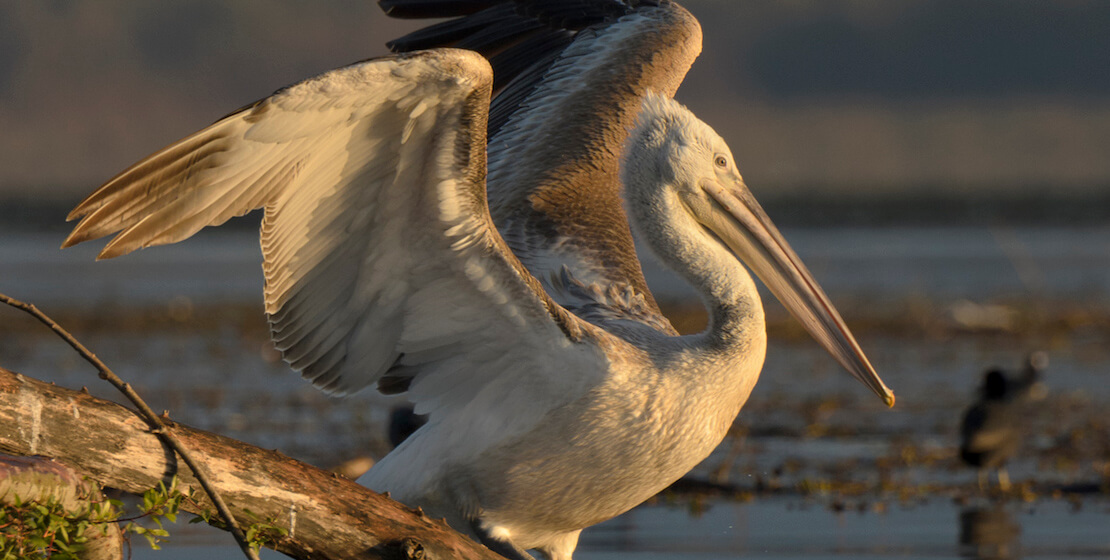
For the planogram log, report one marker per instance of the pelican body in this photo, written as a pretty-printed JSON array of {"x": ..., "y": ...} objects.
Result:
[{"x": 455, "y": 224}]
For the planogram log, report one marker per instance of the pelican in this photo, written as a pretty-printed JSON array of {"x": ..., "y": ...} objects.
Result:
[{"x": 452, "y": 222}]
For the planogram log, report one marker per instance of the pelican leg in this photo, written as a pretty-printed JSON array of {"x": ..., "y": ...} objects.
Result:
[
  {"x": 499, "y": 544},
  {"x": 563, "y": 548}
]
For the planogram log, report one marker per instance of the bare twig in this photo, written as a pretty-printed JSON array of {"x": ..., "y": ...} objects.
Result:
[{"x": 158, "y": 427}]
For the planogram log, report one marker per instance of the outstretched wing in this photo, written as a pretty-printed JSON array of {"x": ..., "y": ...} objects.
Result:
[
  {"x": 381, "y": 261},
  {"x": 569, "y": 79}
]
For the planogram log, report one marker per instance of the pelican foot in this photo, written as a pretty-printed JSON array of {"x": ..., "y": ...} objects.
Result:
[{"x": 492, "y": 538}]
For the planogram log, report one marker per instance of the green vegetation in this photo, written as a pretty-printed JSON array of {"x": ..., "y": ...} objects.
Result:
[
  {"x": 36, "y": 530},
  {"x": 48, "y": 530}
]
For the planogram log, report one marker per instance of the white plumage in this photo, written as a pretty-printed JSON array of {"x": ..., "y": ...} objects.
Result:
[{"x": 558, "y": 395}]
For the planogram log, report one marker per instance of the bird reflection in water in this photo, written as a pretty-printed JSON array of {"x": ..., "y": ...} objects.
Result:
[{"x": 989, "y": 533}]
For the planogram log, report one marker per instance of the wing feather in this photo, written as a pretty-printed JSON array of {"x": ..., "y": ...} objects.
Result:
[
  {"x": 380, "y": 257},
  {"x": 421, "y": 8},
  {"x": 569, "y": 85}
]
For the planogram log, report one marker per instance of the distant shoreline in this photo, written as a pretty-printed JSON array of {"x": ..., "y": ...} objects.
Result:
[{"x": 923, "y": 207}]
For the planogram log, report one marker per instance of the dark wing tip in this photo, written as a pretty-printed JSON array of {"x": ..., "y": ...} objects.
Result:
[
  {"x": 520, "y": 38},
  {"x": 505, "y": 19},
  {"x": 414, "y": 9}
]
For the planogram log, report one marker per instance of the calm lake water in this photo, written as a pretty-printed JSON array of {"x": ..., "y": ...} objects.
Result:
[
  {"x": 944, "y": 263},
  {"x": 783, "y": 530},
  {"x": 816, "y": 468}
]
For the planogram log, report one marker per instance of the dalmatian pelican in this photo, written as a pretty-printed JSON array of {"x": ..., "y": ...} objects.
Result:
[{"x": 455, "y": 222}]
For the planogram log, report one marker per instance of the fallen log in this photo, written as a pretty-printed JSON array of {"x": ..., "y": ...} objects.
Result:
[{"x": 327, "y": 517}]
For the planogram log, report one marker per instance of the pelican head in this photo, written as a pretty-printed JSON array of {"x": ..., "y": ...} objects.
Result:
[{"x": 677, "y": 166}]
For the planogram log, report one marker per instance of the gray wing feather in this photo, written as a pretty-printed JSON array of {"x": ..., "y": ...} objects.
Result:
[{"x": 378, "y": 249}]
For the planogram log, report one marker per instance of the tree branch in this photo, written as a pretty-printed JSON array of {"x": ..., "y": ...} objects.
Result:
[
  {"x": 151, "y": 418},
  {"x": 327, "y": 516}
]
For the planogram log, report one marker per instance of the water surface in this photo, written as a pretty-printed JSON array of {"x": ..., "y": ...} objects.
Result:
[{"x": 816, "y": 467}]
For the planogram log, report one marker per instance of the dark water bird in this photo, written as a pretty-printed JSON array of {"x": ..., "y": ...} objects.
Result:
[
  {"x": 454, "y": 224},
  {"x": 996, "y": 425}
]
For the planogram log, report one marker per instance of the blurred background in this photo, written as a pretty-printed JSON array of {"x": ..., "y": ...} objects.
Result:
[
  {"x": 917, "y": 98},
  {"x": 942, "y": 166}
]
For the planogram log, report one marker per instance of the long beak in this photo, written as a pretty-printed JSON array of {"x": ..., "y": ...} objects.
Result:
[{"x": 751, "y": 235}]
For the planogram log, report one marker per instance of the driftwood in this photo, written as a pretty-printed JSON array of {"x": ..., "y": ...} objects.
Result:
[{"x": 327, "y": 516}]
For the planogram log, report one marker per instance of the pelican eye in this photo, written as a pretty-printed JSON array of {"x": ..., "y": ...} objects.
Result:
[{"x": 721, "y": 161}]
